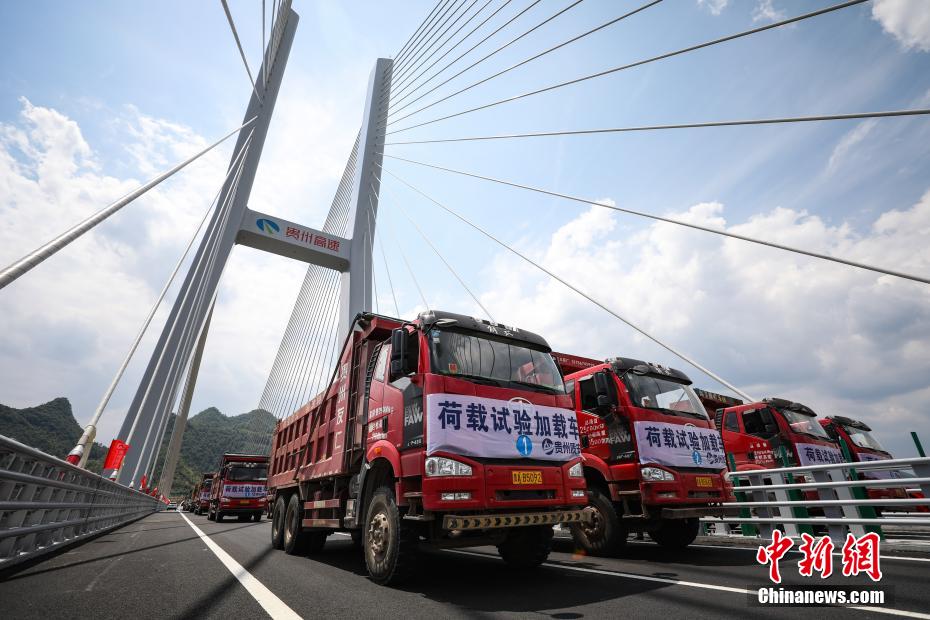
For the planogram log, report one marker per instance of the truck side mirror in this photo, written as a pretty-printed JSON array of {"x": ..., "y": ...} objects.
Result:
[
  {"x": 605, "y": 396},
  {"x": 399, "y": 353}
]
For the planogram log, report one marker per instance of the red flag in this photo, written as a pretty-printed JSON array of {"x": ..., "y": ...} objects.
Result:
[
  {"x": 142, "y": 486},
  {"x": 115, "y": 455}
]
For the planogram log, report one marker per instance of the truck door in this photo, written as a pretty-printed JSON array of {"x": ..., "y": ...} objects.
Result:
[{"x": 607, "y": 430}]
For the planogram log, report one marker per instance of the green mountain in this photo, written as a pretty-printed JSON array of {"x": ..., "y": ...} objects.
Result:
[
  {"x": 209, "y": 434},
  {"x": 51, "y": 428}
]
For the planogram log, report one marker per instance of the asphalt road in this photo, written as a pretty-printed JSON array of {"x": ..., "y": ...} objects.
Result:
[{"x": 160, "y": 567}]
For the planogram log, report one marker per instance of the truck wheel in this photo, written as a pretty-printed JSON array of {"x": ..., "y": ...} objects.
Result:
[
  {"x": 257, "y": 516},
  {"x": 277, "y": 524},
  {"x": 526, "y": 547},
  {"x": 357, "y": 539},
  {"x": 211, "y": 516},
  {"x": 604, "y": 534},
  {"x": 676, "y": 533},
  {"x": 390, "y": 545},
  {"x": 219, "y": 516},
  {"x": 295, "y": 540}
]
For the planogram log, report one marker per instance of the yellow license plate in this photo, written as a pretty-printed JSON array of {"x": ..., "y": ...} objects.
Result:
[
  {"x": 705, "y": 481},
  {"x": 244, "y": 501},
  {"x": 527, "y": 477}
]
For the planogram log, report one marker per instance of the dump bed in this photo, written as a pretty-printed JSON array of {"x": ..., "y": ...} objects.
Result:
[
  {"x": 573, "y": 363},
  {"x": 324, "y": 437}
]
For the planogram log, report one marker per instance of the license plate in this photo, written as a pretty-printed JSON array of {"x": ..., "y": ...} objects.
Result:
[
  {"x": 527, "y": 477},
  {"x": 244, "y": 501},
  {"x": 705, "y": 481}
]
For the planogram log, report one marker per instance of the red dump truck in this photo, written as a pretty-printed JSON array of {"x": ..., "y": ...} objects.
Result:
[
  {"x": 201, "y": 496},
  {"x": 446, "y": 431},
  {"x": 789, "y": 428},
  {"x": 744, "y": 452},
  {"x": 652, "y": 459},
  {"x": 239, "y": 487}
]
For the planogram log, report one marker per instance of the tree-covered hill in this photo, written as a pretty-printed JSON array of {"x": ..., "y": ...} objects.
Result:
[{"x": 51, "y": 427}]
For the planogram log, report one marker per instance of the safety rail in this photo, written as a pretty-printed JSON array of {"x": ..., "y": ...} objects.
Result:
[
  {"x": 47, "y": 503},
  {"x": 784, "y": 498}
]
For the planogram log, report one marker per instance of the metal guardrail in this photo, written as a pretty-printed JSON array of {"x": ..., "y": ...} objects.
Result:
[
  {"x": 784, "y": 498},
  {"x": 47, "y": 503}
]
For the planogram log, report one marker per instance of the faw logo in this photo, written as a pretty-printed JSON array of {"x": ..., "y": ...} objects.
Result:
[
  {"x": 268, "y": 226},
  {"x": 413, "y": 414}
]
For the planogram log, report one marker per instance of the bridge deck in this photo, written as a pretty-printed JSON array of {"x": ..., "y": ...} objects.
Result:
[{"x": 160, "y": 567}]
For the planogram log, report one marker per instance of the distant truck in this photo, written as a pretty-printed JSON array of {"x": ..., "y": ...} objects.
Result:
[
  {"x": 201, "y": 493},
  {"x": 861, "y": 446},
  {"x": 446, "y": 431},
  {"x": 790, "y": 429},
  {"x": 239, "y": 488},
  {"x": 744, "y": 452},
  {"x": 653, "y": 461}
]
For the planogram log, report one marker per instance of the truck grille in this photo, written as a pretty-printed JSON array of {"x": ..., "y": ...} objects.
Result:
[{"x": 524, "y": 494}]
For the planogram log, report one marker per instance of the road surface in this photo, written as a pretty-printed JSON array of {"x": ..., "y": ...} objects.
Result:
[{"x": 162, "y": 567}]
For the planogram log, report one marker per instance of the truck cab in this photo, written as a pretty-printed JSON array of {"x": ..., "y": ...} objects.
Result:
[
  {"x": 446, "y": 431},
  {"x": 861, "y": 446},
  {"x": 652, "y": 458},
  {"x": 239, "y": 488},
  {"x": 790, "y": 428}
]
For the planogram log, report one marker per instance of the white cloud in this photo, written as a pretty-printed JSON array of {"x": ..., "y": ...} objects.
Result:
[
  {"x": 714, "y": 6},
  {"x": 849, "y": 140},
  {"x": 908, "y": 21},
  {"x": 842, "y": 340},
  {"x": 69, "y": 321},
  {"x": 765, "y": 11}
]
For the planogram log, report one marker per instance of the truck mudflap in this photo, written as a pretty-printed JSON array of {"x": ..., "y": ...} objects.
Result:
[
  {"x": 703, "y": 511},
  {"x": 493, "y": 521}
]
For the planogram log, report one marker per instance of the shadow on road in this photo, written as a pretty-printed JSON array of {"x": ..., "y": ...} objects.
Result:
[{"x": 21, "y": 571}]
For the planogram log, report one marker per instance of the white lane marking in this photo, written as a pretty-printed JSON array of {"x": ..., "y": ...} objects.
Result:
[
  {"x": 695, "y": 584},
  {"x": 106, "y": 568},
  {"x": 275, "y": 607}
]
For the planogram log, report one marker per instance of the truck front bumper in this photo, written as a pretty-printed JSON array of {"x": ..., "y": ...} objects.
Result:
[
  {"x": 520, "y": 519},
  {"x": 701, "y": 511}
]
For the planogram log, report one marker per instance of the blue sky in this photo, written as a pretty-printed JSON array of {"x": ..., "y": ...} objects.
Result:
[{"x": 109, "y": 93}]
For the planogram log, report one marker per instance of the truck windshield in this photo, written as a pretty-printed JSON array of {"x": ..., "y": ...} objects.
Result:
[
  {"x": 655, "y": 393},
  {"x": 244, "y": 472},
  {"x": 801, "y": 423},
  {"x": 862, "y": 438},
  {"x": 499, "y": 361}
]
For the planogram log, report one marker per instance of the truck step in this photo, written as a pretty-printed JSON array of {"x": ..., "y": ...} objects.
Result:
[
  {"x": 420, "y": 518},
  {"x": 322, "y": 503},
  {"x": 413, "y": 494},
  {"x": 627, "y": 493},
  {"x": 333, "y": 523}
]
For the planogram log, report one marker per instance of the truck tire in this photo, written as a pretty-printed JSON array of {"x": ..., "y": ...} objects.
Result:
[
  {"x": 277, "y": 524},
  {"x": 218, "y": 516},
  {"x": 211, "y": 516},
  {"x": 390, "y": 544},
  {"x": 294, "y": 538},
  {"x": 527, "y": 547},
  {"x": 605, "y": 534},
  {"x": 257, "y": 516},
  {"x": 357, "y": 539},
  {"x": 676, "y": 533}
]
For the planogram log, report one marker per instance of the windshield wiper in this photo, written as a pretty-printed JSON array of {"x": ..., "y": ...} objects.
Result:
[
  {"x": 540, "y": 386},
  {"x": 475, "y": 378}
]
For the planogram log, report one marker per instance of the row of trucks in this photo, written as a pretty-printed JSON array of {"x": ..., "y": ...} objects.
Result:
[
  {"x": 450, "y": 431},
  {"x": 237, "y": 489}
]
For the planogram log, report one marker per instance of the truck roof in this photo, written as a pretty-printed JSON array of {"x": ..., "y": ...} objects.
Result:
[
  {"x": 251, "y": 458},
  {"x": 575, "y": 363},
  {"x": 847, "y": 422},
  {"x": 428, "y": 319}
]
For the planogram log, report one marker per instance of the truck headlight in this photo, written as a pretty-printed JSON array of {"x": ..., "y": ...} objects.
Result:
[
  {"x": 439, "y": 466},
  {"x": 656, "y": 474},
  {"x": 576, "y": 471}
]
